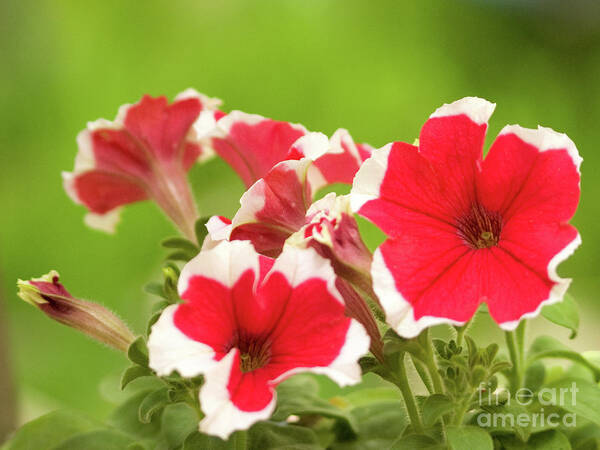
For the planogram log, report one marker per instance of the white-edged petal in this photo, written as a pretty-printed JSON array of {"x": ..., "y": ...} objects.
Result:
[
  {"x": 169, "y": 349},
  {"x": 344, "y": 369},
  {"x": 399, "y": 313},
  {"x": 545, "y": 139},
  {"x": 224, "y": 263},
  {"x": 557, "y": 292},
  {"x": 298, "y": 265},
  {"x": 222, "y": 417},
  {"x": 106, "y": 222},
  {"x": 477, "y": 109},
  {"x": 368, "y": 179}
]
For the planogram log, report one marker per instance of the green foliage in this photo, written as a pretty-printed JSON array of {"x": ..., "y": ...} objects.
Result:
[
  {"x": 50, "y": 430},
  {"x": 299, "y": 396},
  {"x": 469, "y": 437},
  {"x": 564, "y": 313},
  {"x": 138, "y": 352}
]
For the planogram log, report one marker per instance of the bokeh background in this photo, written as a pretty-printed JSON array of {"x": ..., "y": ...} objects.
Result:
[{"x": 377, "y": 68}]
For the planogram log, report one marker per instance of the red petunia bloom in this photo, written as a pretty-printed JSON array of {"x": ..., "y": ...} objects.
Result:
[
  {"x": 464, "y": 230},
  {"x": 252, "y": 145},
  {"x": 247, "y": 323},
  {"x": 144, "y": 153}
]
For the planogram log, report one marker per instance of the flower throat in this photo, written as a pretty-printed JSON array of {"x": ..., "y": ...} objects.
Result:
[{"x": 480, "y": 228}]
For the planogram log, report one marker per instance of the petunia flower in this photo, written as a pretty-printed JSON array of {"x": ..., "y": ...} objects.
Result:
[
  {"x": 144, "y": 153},
  {"x": 252, "y": 145},
  {"x": 247, "y": 323},
  {"x": 464, "y": 230},
  {"x": 92, "y": 319},
  {"x": 276, "y": 211}
]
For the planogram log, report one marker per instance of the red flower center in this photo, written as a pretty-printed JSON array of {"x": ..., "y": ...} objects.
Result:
[
  {"x": 480, "y": 228},
  {"x": 255, "y": 352}
]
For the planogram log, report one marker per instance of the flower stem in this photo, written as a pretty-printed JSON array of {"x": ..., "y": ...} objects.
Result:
[
  {"x": 515, "y": 358},
  {"x": 400, "y": 379},
  {"x": 434, "y": 373}
]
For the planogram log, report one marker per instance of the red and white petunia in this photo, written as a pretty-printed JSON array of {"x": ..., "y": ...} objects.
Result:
[
  {"x": 252, "y": 145},
  {"x": 247, "y": 323},
  {"x": 144, "y": 153},
  {"x": 464, "y": 230},
  {"x": 275, "y": 206}
]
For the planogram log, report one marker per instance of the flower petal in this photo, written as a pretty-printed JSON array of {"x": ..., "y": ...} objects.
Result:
[
  {"x": 274, "y": 207},
  {"x": 234, "y": 401},
  {"x": 531, "y": 172},
  {"x": 523, "y": 276},
  {"x": 303, "y": 283},
  {"x": 252, "y": 144},
  {"x": 342, "y": 161},
  {"x": 397, "y": 189},
  {"x": 218, "y": 287},
  {"x": 169, "y": 349},
  {"x": 426, "y": 279}
]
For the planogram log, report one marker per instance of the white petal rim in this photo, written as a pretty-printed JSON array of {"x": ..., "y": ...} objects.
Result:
[
  {"x": 222, "y": 417},
  {"x": 477, "y": 109},
  {"x": 368, "y": 179},
  {"x": 169, "y": 349},
  {"x": 224, "y": 263}
]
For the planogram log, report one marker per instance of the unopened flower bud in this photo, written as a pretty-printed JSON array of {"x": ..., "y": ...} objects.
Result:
[{"x": 51, "y": 297}]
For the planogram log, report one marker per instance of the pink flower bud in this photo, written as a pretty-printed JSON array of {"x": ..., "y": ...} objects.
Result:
[{"x": 90, "y": 318}]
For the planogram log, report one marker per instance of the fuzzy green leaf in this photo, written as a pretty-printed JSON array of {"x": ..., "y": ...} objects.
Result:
[
  {"x": 153, "y": 403},
  {"x": 138, "y": 352},
  {"x": 564, "y": 314},
  {"x": 133, "y": 373},
  {"x": 434, "y": 407},
  {"x": 468, "y": 437}
]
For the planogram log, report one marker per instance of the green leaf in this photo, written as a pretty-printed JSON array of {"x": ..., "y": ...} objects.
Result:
[
  {"x": 271, "y": 436},
  {"x": 132, "y": 373},
  {"x": 367, "y": 396},
  {"x": 417, "y": 441},
  {"x": 200, "y": 228},
  {"x": 586, "y": 437},
  {"x": 153, "y": 403},
  {"x": 155, "y": 288},
  {"x": 534, "y": 376},
  {"x": 96, "y": 440},
  {"x": 548, "y": 347},
  {"x": 126, "y": 417},
  {"x": 564, "y": 314},
  {"x": 180, "y": 255},
  {"x": 199, "y": 441},
  {"x": 548, "y": 440},
  {"x": 138, "y": 352},
  {"x": 503, "y": 419},
  {"x": 580, "y": 397},
  {"x": 434, "y": 407},
  {"x": 472, "y": 438},
  {"x": 178, "y": 421},
  {"x": 298, "y": 396},
  {"x": 49, "y": 430},
  {"x": 180, "y": 243}
]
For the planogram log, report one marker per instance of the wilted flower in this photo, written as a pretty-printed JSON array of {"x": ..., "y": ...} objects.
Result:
[
  {"x": 92, "y": 319},
  {"x": 247, "y": 323},
  {"x": 464, "y": 230}
]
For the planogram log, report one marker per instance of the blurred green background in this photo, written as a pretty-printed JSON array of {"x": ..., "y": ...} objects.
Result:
[{"x": 378, "y": 68}]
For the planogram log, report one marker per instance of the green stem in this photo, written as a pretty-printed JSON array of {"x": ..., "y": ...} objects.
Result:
[
  {"x": 400, "y": 379},
  {"x": 520, "y": 332},
  {"x": 515, "y": 359},
  {"x": 434, "y": 373},
  {"x": 423, "y": 374},
  {"x": 460, "y": 331}
]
